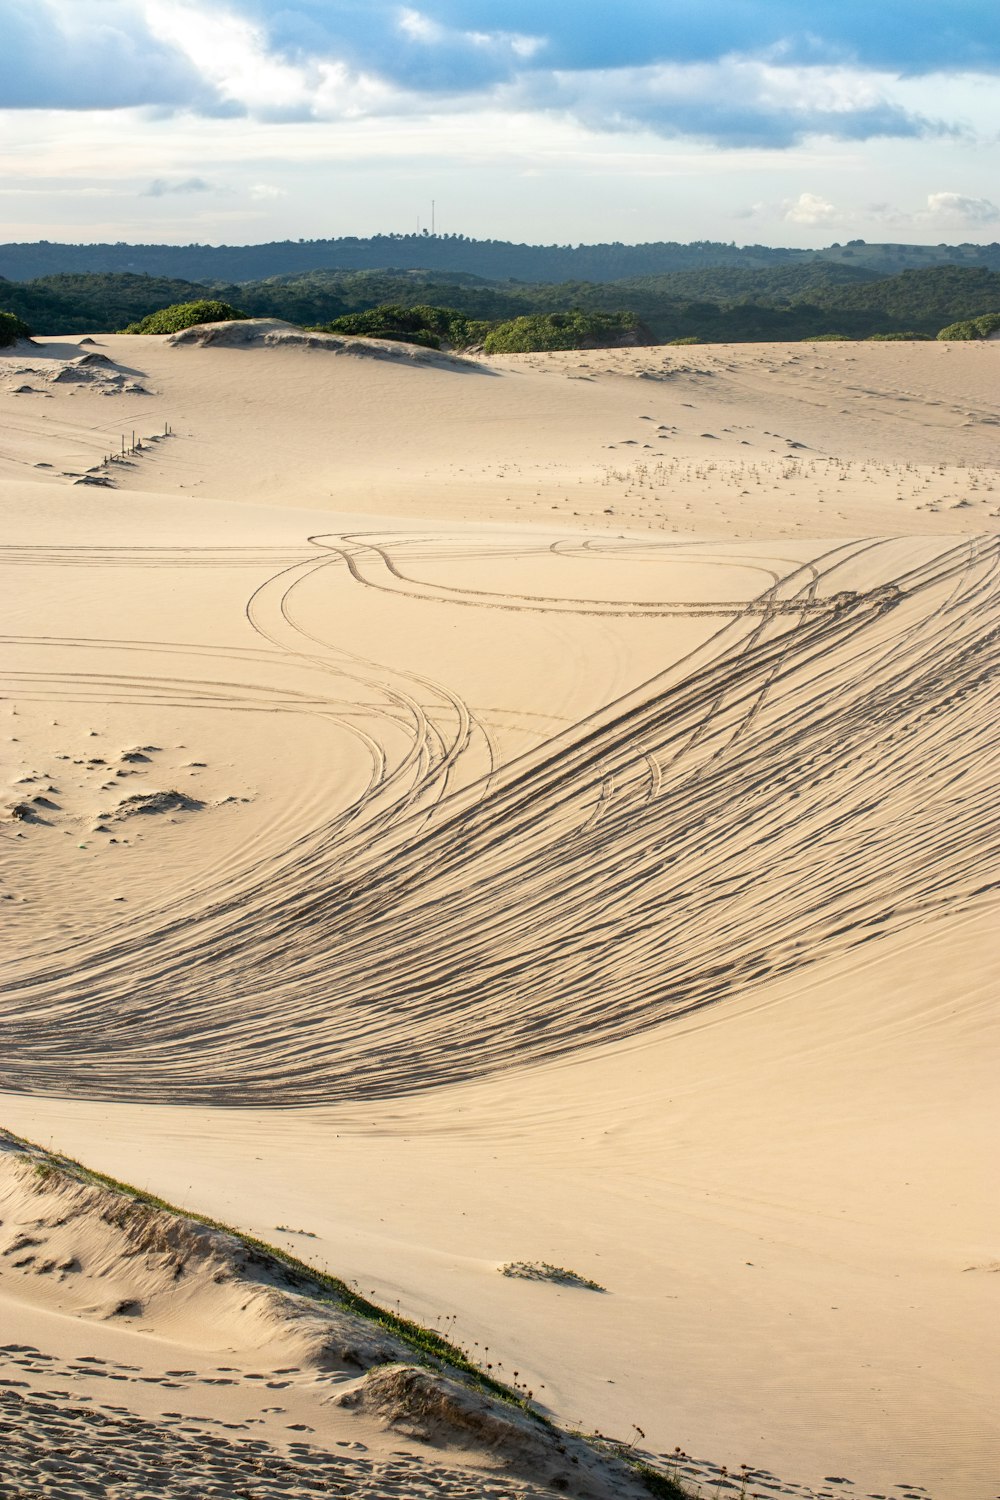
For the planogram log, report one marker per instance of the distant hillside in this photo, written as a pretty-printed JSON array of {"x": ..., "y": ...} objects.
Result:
[
  {"x": 714, "y": 304},
  {"x": 801, "y": 301},
  {"x": 924, "y": 299},
  {"x": 78, "y": 303},
  {"x": 493, "y": 259}
]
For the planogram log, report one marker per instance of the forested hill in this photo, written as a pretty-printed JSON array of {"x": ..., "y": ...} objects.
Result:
[
  {"x": 714, "y": 304},
  {"x": 492, "y": 259},
  {"x": 717, "y": 303}
]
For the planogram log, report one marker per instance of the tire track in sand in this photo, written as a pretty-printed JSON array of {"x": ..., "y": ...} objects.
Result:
[{"x": 848, "y": 794}]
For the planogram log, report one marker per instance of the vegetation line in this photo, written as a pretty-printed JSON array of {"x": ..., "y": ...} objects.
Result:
[
  {"x": 431, "y": 1348},
  {"x": 714, "y": 303},
  {"x": 424, "y": 1341}
]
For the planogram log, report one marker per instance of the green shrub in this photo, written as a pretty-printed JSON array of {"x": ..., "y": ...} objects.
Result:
[
  {"x": 185, "y": 315},
  {"x": 886, "y": 338},
  {"x": 973, "y": 328},
  {"x": 828, "y": 338},
  {"x": 12, "y": 329},
  {"x": 437, "y": 326},
  {"x": 563, "y": 330},
  {"x": 405, "y": 325},
  {"x": 422, "y": 324}
]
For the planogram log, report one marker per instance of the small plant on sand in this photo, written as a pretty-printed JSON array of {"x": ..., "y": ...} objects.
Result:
[
  {"x": 541, "y": 1270},
  {"x": 185, "y": 315},
  {"x": 12, "y": 329},
  {"x": 665, "y": 1484},
  {"x": 656, "y": 1483}
]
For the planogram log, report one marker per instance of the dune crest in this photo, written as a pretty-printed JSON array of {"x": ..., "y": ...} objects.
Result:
[
  {"x": 94, "y": 1252},
  {"x": 274, "y": 333}
]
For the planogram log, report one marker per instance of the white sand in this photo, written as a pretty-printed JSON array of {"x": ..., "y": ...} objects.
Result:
[{"x": 618, "y": 895}]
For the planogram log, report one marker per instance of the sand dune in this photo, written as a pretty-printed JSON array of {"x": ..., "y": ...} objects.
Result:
[
  {"x": 105, "y": 1260},
  {"x": 746, "y": 441},
  {"x": 538, "y": 812},
  {"x": 274, "y": 333}
]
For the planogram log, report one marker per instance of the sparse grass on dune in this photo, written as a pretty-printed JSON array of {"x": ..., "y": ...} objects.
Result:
[
  {"x": 542, "y": 1270},
  {"x": 424, "y": 1341},
  {"x": 430, "y": 1348}
]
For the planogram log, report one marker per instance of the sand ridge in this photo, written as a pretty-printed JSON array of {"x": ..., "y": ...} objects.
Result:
[{"x": 104, "y": 1259}]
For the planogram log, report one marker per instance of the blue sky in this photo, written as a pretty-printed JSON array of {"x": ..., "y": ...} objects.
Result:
[{"x": 555, "y": 120}]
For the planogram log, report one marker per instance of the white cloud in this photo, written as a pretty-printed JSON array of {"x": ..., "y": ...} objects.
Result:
[
  {"x": 420, "y": 28},
  {"x": 234, "y": 58},
  {"x": 957, "y": 208},
  {"x": 264, "y": 192},
  {"x": 525, "y": 46},
  {"x": 227, "y": 51},
  {"x": 92, "y": 54},
  {"x": 231, "y": 54},
  {"x": 809, "y": 208}
]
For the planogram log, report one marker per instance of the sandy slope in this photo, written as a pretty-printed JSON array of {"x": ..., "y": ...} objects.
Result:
[
  {"x": 618, "y": 894},
  {"x": 146, "y": 1283},
  {"x": 808, "y": 440}
]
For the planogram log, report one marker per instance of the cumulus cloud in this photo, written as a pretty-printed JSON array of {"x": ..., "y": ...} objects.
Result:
[
  {"x": 956, "y": 208},
  {"x": 231, "y": 53},
  {"x": 264, "y": 192},
  {"x": 161, "y": 186},
  {"x": 809, "y": 208}
]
